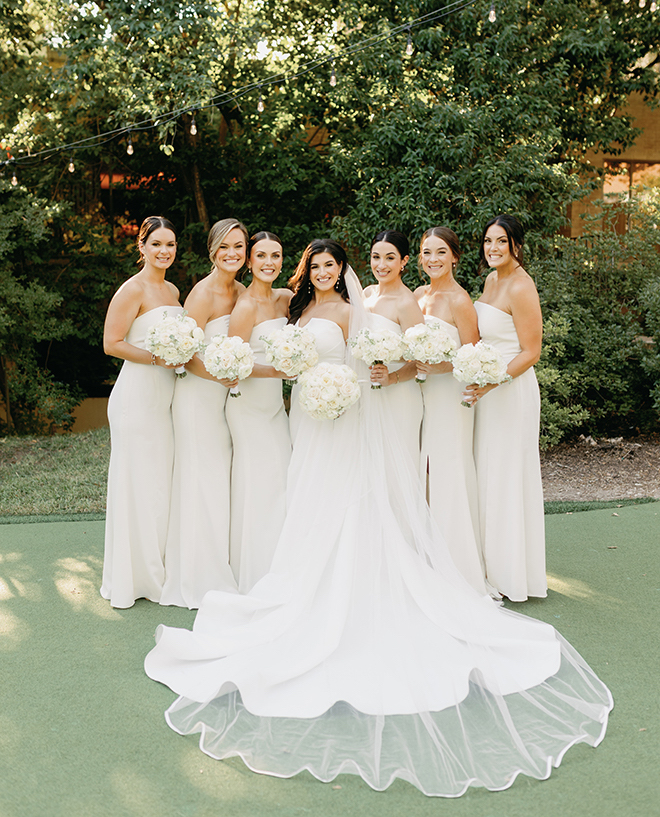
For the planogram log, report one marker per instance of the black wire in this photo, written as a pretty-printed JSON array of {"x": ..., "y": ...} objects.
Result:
[{"x": 232, "y": 96}]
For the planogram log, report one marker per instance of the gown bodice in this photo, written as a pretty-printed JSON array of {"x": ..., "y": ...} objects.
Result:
[
  {"x": 137, "y": 333},
  {"x": 218, "y": 326},
  {"x": 497, "y": 328},
  {"x": 449, "y": 328},
  {"x": 264, "y": 329},
  {"x": 330, "y": 343}
]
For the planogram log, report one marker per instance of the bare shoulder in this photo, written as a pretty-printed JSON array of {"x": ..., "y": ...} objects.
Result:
[
  {"x": 284, "y": 295},
  {"x": 420, "y": 292},
  {"x": 198, "y": 295},
  {"x": 245, "y": 304},
  {"x": 369, "y": 291},
  {"x": 173, "y": 289},
  {"x": 522, "y": 287}
]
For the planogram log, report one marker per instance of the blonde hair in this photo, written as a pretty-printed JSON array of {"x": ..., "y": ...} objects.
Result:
[{"x": 219, "y": 232}]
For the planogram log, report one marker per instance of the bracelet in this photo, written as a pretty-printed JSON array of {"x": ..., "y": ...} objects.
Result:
[
  {"x": 153, "y": 359},
  {"x": 396, "y": 374}
]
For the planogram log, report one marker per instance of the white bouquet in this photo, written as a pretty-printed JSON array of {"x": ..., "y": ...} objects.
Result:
[
  {"x": 377, "y": 346},
  {"x": 291, "y": 350},
  {"x": 327, "y": 390},
  {"x": 175, "y": 339},
  {"x": 479, "y": 363},
  {"x": 228, "y": 358},
  {"x": 428, "y": 343}
]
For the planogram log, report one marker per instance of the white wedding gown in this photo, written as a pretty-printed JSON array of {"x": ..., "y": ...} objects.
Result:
[
  {"x": 447, "y": 463},
  {"x": 262, "y": 448},
  {"x": 140, "y": 474},
  {"x": 197, "y": 550},
  {"x": 364, "y": 650},
  {"x": 506, "y": 452}
]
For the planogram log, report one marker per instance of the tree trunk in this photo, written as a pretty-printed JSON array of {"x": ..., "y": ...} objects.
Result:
[{"x": 4, "y": 384}]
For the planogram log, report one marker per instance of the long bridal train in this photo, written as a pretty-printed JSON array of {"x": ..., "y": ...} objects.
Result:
[{"x": 364, "y": 650}]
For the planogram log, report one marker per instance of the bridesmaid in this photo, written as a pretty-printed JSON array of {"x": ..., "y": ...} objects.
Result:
[
  {"x": 139, "y": 412},
  {"x": 447, "y": 428},
  {"x": 393, "y": 306},
  {"x": 197, "y": 552},
  {"x": 257, "y": 421},
  {"x": 507, "y": 420}
]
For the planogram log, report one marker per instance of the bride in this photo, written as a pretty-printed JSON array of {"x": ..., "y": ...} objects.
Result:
[{"x": 364, "y": 650}]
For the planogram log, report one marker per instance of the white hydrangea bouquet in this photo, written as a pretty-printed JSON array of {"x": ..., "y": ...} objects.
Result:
[
  {"x": 377, "y": 346},
  {"x": 327, "y": 390},
  {"x": 291, "y": 350},
  {"x": 479, "y": 363},
  {"x": 428, "y": 343},
  {"x": 175, "y": 339},
  {"x": 228, "y": 358}
]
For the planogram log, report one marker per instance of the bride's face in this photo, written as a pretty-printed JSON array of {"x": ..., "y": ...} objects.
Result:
[
  {"x": 324, "y": 271},
  {"x": 386, "y": 262},
  {"x": 230, "y": 256},
  {"x": 265, "y": 261},
  {"x": 437, "y": 258}
]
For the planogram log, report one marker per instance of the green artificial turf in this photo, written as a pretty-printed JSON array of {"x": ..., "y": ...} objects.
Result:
[{"x": 82, "y": 732}]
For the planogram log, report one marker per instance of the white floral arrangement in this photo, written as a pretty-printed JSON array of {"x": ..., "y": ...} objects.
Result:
[
  {"x": 377, "y": 346},
  {"x": 175, "y": 339},
  {"x": 327, "y": 390},
  {"x": 228, "y": 358},
  {"x": 428, "y": 343},
  {"x": 479, "y": 363},
  {"x": 291, "y": 350}
]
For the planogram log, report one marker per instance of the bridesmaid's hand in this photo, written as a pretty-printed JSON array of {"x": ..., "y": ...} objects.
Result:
[
  {"x": 158, "y": 361},
  {"x": 434, "y": 368},
  {"x": 473, "y": 392},
  {"x": 228, "y": 384},
  {"x": 380, "y": 374}
]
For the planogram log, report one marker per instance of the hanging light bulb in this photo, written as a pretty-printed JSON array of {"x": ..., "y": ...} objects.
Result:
[
  {"x": 193, "y": 126},
  {"x": 260, "y": 105},
  {"x": 129, "y": 148},
  {"x": 492, "y": 16},
  {"x": 653, "y": 7},
  {"x": 642, "y": 3},
  {"x": 409, "y": 45},
  {"x": 72, "y": 167},
  {"x": 333, "y": 76},
  {"x": 14, "y": 179}
]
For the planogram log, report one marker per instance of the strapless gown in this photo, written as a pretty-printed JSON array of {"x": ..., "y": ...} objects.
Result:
[
  {"x": 506, "y": 448},
  {"x": 402, "y": 400},
  {"x": 197, "y": 551},
  {"x": 364, "y": 650},
  {"x": 259, "y": 430},
  {"x": 447, "y": 463},
  {"x": 140, "y": 474}
]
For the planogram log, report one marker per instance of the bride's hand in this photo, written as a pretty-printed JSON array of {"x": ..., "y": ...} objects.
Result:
[{"x": 380, "y": 374}]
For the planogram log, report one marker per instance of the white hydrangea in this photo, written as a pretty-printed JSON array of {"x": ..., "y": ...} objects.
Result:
[{"x": 480, "y": 363}]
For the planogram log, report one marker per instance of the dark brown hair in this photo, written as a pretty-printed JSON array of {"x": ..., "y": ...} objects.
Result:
[
  {"x": 515, "y": 234},
  {"x": 147, "y": 227},
  {"x": 300, "y": 282}
]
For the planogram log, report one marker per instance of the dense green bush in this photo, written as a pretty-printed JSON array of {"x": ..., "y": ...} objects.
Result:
[{"x": 600, "y": 294}]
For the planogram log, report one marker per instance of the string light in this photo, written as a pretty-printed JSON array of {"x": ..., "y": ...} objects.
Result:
[
  {"x": 409, "y": 44},
  {"x": 653, "y": 6},
  {"x": 642, "y": 3},
  {"x": 14, "y": 179},
  {"x": 130, "y": 149},
  {"x": 492, "y": 16},
  {"x": 333, "y": 76},
  {"x": 193, "y": 126},
  {"x": 234, "y": 96}
]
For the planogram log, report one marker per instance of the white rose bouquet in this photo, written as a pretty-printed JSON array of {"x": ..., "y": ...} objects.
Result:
[
  {"x": 228, "y": 358},
  {"x": 327, "y": 390},
  {"x": 377, "y": 346},
  {"x": 291, "y": 350},
  {"x": 175, "y": 339},
  {"x": 428, "y": 343},
  {"x": 479, "y": 363}
]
